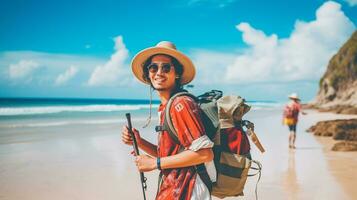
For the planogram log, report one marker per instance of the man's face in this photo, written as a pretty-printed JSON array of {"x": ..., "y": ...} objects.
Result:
[{"x": 161, "y": 79}]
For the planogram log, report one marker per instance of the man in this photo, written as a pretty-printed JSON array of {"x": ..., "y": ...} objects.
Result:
[
  {"x": 166, "y": 70},
  {"x": 290, "y": 117}
]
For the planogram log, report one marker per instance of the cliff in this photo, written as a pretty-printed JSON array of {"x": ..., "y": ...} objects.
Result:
[{"x": 338, "y": 86}]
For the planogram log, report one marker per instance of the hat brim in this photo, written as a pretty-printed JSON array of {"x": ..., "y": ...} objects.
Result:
[
  {"x": 139, "y": 59},
  {"x": 297, "y": 98}
]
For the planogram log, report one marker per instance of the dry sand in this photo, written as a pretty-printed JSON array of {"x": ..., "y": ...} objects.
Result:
[{"x": 91, "y": 163}]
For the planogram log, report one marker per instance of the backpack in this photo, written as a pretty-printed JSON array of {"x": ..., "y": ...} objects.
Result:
[
  {"x": 290, "y": 115},
  {"x": 288, "y": 112},
  {"x": 231, "y": 168}
]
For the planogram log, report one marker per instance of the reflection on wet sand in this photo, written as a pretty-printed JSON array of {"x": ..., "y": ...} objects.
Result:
[{"x": 289, "y": 178}]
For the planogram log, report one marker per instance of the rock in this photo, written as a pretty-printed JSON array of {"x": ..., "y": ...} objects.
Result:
[
  {"x": 345, "y": 130},
  {"x": 324, "y": 128},
  {"x": 340, "y": 110},
  {"x": 345, "y": 146}
]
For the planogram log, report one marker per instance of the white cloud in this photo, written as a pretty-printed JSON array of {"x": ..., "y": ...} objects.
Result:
[
  {"x": 114, "y": 71},
  {"x": 62, "y": 79},
  {"x": 351, "y": 2},
  {"x": 22, "y": 69},
  {"x": 304, "y": 55},
  {"x": 210, "y": 65},
  {"x": 50, "y": 66}
]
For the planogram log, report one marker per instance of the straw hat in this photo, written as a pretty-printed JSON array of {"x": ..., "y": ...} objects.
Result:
[
  {"x": 294, "y": 96},
  {"x": 167, "y": 48}
]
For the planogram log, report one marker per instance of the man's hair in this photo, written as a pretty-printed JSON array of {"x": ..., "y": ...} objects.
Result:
[{"x": 178, "y": 69}]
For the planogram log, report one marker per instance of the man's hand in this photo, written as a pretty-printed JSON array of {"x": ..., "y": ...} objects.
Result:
[
  {"x": 126, "y": 137},
  {"x": 145, "y": 163}
]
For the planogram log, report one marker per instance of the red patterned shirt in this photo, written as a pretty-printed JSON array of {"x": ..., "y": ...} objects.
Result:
[{"x": 178, "y": 183}]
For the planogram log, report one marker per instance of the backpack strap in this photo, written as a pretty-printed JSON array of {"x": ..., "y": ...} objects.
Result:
[
  {"x": 202, "y": 172},
  {"x": 168, "y": 126}
]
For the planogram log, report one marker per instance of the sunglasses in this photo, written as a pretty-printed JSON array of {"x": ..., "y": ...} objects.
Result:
[{"x": 165, "y": 67}]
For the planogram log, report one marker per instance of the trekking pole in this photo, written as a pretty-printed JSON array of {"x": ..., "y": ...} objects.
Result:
[{"x": 136, "y": 150}]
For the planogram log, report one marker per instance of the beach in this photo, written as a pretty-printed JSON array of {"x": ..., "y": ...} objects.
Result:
[
  {"x": 342, "y": 165},
  {"x": 71, "y": 71},
  {"x": 88, "y": 161}
]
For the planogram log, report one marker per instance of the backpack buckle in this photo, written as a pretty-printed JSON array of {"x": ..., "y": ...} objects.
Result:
[{"x": 159, "y": 128}]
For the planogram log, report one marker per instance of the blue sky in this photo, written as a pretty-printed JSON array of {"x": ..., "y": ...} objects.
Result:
[{"x": 262, "y": 50}]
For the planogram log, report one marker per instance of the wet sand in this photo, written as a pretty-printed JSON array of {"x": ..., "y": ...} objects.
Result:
[
  {"x": 91, "y": 163},
  {"x": 342, "y": 165}
]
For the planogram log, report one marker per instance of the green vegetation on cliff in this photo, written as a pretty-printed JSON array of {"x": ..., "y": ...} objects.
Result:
[{"x": 342, "y": 68}]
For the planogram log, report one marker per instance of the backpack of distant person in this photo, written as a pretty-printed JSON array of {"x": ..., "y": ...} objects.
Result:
[
  {"x": 290, "y": 114},
  {"x": 232, "y": 157}
]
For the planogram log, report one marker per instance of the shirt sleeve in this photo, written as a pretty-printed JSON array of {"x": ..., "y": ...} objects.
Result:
[{"x": 186, "y": 120}]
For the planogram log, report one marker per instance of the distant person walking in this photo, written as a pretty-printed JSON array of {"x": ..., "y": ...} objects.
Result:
[{"x": 290, "y": 117}]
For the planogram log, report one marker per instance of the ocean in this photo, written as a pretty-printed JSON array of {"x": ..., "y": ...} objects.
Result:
[{"x": 47, "y": 112}]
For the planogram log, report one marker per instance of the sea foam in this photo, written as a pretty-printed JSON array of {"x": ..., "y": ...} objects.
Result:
[{"x": 14, "y": 111}]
